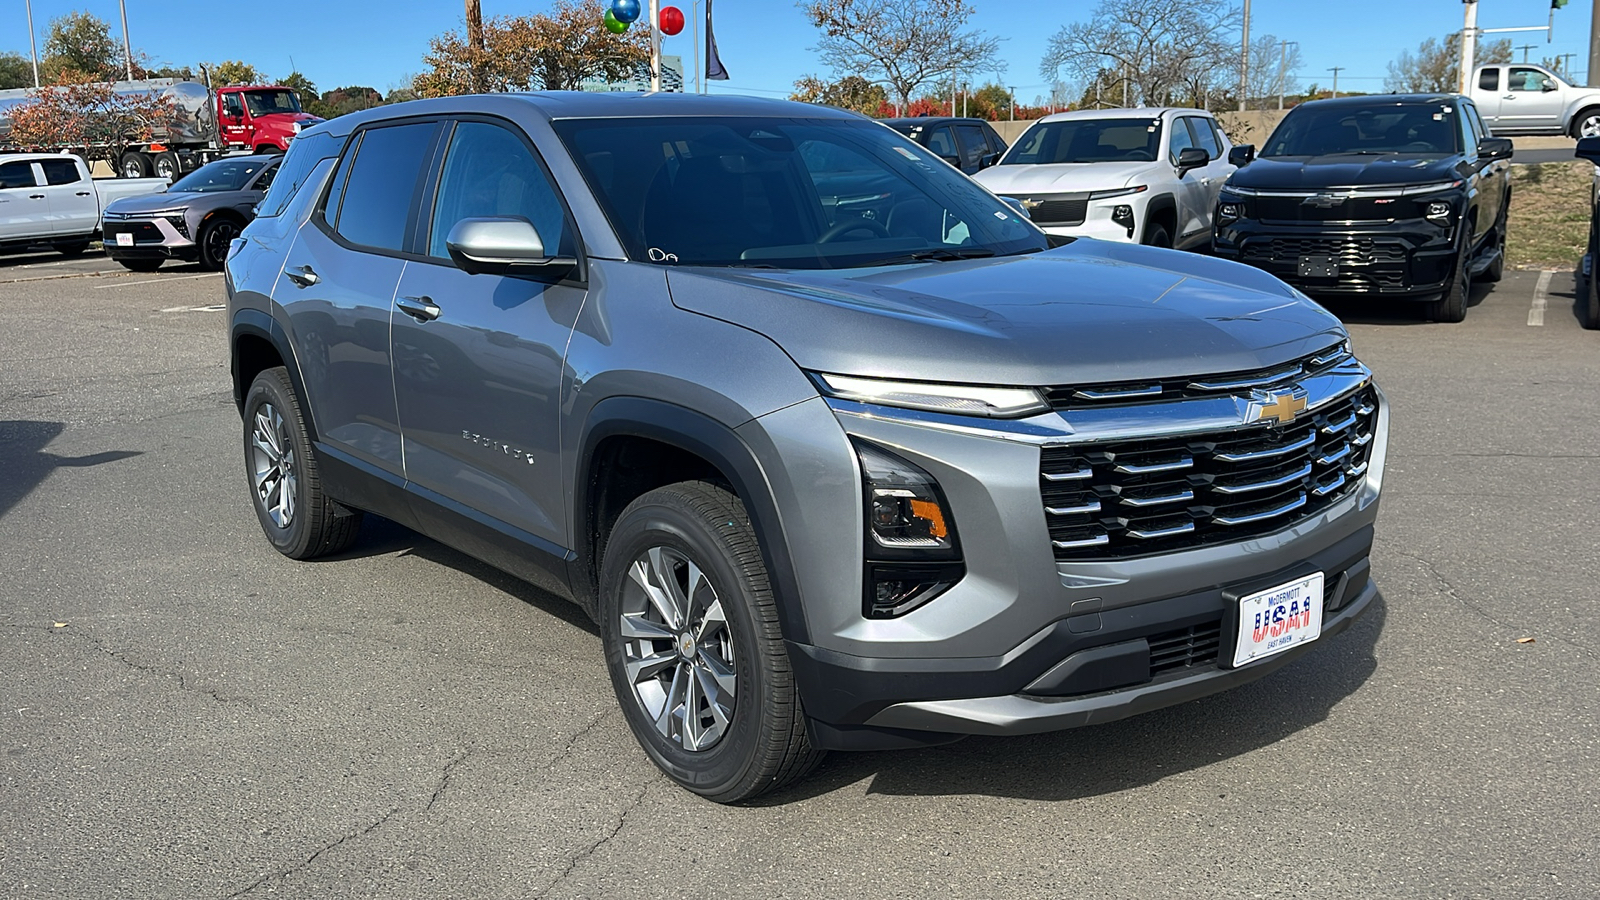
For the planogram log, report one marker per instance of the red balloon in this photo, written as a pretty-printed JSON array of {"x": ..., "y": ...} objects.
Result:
[{"x": 671, "y": 20}]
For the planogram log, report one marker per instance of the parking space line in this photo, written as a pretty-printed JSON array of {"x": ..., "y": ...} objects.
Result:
[
  {"x": 1541, "y": 299},
  {"x": 101, "y": 287}
]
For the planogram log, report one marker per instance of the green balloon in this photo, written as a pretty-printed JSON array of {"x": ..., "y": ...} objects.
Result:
[{"x": 614, "y": 24}]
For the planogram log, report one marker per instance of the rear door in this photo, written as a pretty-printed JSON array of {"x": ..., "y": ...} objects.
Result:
[
  {"x": 478, "y": 384},
  {"x": 74, "y": 208},
  {"x": 338, "y": 285},
  {"x": 24, "y": 211},
  {"x": 974, "y": 146},
  {"x": 1488, "y": 94}
]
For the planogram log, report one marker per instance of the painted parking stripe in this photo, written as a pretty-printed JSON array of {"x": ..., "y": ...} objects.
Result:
[
  {"x": 101, "y": 287},
  {"x": 1541, "y": 299}
]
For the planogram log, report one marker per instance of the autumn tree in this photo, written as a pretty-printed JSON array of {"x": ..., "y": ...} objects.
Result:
[
  {"x": 84, "y": 113},
  {"x": 231, "y": 72},
  {"x": 903, "y": 45},
  {"x": 557, "y": 51},
  {"x": 1168, "y": 50},
  {"x": 1436, "y": 66},
  {"x": 850, "y": 92},
  {"x": 81, "y": 42}
]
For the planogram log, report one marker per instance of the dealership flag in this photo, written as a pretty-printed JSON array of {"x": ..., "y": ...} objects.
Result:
[{"x": 714, "y": 68}]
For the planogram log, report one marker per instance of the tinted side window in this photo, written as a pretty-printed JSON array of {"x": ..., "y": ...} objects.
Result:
[
  {"x": 997, "y": 144},
  {"x": 382, "y": 183},
  {"x": 1478, "y": 124},
  {"x": 973, "y": 145},
  {"x": 16, "y": 175},
  {"x": 265, "y": 181},
  {"x": 1180, "y": 139},
  {"x": 489, "y": 171},
  {"x": 1204, "y": 137},
  {"x": 60, "y": 171},
  {"x": 1489, "y": 80},
  {"x": 941, "y": 142}
]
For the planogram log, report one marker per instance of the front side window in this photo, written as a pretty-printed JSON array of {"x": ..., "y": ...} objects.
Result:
[
  {"x": 1204, "y": 137},
  {"x": 263, "y": 103},
  {"x": 785, "y": 193},
  {"x": 232, "y": 106},
  {"x": 1530, "y": 80},
  {"x": 1181, "y": 139},
  {"x": 16, "y": 175},
  {"x": 489, "y": 171},
  {"x": 941, "y": 142},
  {"x": 375, "y": 205},
  {"x": 60, "y": 171},
  {"x": 222, "y": 175},
  {"x": 1383, "y": 128},
  {"x": 1087, "y": 141}
]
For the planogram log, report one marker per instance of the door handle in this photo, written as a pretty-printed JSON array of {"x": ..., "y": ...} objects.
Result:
[
  {"x": 35, "y": 196},
  {"x": 304, "y": 276},
  {"x": 423, "y": 309},
  {"x": 83, "y": 193}
]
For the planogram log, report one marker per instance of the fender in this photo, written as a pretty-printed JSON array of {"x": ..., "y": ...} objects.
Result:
[
  {"x": 259, "y": 324},
  {"x": 718, "y": 444},
  {"x": 1159, "y": 204}
]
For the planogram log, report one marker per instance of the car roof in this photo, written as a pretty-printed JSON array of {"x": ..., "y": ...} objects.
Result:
[
  {"x": 1371, "y": 100},
  {"x": 1130, "y": 112},
  {"x": 30, "y": 156},
  {"x": 932, "y": 120}
]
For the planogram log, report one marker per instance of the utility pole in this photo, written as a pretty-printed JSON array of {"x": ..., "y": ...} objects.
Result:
[
  {"x": 1525, "y": 48},
  {"x": 1013, "y": 89},
  {"x": 127, "y": 47},
  {"x": 33, "y": 44},
  {"x": 655, "y": 46},
  {"x": 475, "y": 45},
  {"x": 1244, "y": 58},
  {"x": 1336, "y": 70},
  {"x": 1283, "y": 62},
  {"x": 1594, "y": 45},
  {"x": 1564, "y": 64},
  {"x": 1469, "y": 44}
]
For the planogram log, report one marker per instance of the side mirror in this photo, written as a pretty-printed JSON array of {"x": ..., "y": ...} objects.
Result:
[
  {"x": 1018, "y": 205},
  {"x": 952, "y": 160},
  {"x": 1495, "y": 148},
  {"x": 1242, "y": 155},
  {"x": 1589, "y": 148},
  {"x": 1549, "y": 86},
  {"x": 1192, "y": 158},
  {"x": 988, "y": 160},
  {"x": 500, "y": 245}
]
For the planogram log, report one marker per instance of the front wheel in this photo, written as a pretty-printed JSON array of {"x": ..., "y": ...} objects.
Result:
[
  {"x": 215, "y": 237},
  {"x": 1586, "y": 124},
  {"x": 1452, "y": 307},
  {"x": 692, "y": 643},
  {"x": 1157, "y": 236},
  {"x": 285, "y": 484}
]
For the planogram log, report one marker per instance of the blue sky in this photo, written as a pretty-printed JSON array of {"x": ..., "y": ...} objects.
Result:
[{"x": 765, "y": 43}]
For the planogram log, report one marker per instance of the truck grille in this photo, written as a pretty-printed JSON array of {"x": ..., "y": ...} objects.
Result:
[
  {"x": 1344, "y": 251},
  {"x": 1116, "y": 499},
  {"x": 1061, "y": 209},
  {"x": 1067, "y": 398},
  {"x": 143, "y": 232}
]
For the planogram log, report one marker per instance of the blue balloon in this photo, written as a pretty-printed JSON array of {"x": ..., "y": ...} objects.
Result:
[{"x": 625, "y": 10}]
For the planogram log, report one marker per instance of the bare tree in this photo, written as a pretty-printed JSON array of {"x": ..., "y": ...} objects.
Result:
[
  {"x": 1436, "y": 67},
  {"x": 901, "y": 45},
  {"x": 1168, "y": 49},
  {"x": 1272, "y": 71}
]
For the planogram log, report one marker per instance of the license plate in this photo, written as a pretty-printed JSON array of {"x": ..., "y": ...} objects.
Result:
[
  {"x": 1276, "y": 619},
  {"x": 1318, "y": 267},
  {"x": 125, "y": 239}
]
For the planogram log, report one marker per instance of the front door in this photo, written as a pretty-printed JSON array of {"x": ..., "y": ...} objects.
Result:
[
  {"x": 24, "y": 211},
  {"x": 1193, "y": 188},
  {"x": 74, "y": 209},
  {"x": 1532, "y": 100},
  {"x": 338, "y": 286},
  {"x": 478, "y": 376},
  {"x": 235, "y": 124}
]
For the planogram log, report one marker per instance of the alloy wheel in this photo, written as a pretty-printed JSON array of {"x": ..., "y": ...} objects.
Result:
[
  {"x": 218, "y": 237},
  {"x": 678, "y": 649},
  {"x": 272, "y": 465},
  {"x": 1590, "y": 127}
]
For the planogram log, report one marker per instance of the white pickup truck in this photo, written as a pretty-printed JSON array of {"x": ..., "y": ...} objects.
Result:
[
  {"x": 1520, "y": 98},
  {"x": 49, "y": 198}
]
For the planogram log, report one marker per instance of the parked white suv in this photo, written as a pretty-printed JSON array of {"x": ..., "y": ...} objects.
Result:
[{"x": 1136, "y": 175}]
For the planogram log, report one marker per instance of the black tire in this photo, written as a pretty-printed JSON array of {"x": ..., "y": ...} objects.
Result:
[
  {"x": 134, "y": 165},
  {"x": 1156, "y": 235},
  {"x": 1589, "y": 305},
  {"x": 140, "y": 265},
  {"x": 215, "y": 236},
  {"x": 166, "y": 166},
  {"x": 1497, "y": 269},
  {"x": 1575, "y": 128},
  {"x": 763, "y": 744},
  {"x": 1452, "y": 307},
  {"x": 297, "y": 517},
  {"x": 72, "y": 248}
]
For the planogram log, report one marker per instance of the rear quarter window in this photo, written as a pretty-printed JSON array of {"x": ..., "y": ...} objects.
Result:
[{"x": 304, "y": 154}]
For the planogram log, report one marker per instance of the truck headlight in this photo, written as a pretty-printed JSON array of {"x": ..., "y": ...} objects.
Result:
[
  {"x": 1439, "y": 209},
  {"x": 959, "y": 399},
  {"x": 1230, "y": 212},
  {"x": 912, "y": 551}
]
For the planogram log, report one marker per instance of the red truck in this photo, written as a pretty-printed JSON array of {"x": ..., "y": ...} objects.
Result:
[{"x": 208, "y": 124}]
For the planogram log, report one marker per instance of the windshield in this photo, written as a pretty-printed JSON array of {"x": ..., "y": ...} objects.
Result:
[
  {"x": 785, "y": 193},
  {"x": 1314, "y": 130},
  {"x": 222, "y": 175},
  {"x": 1087, "y": 141},
  {"x": 281, "y": 100}
]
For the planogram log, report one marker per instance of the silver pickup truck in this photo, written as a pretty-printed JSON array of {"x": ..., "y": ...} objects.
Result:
[
  {"x": 1518, "y": 98},
  {"x": 50, "y": 198}
]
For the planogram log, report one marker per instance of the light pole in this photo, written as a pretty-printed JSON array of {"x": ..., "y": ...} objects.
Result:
[
  {"x": 33, "y": 44},
  {"x": 1469, "y": 43},
  {"x": 1283, "y": 62},
  {"x": 1244, "y": 58},
  {"x": 127, "y": 48},
  {"x": 1013, "y": 89}
]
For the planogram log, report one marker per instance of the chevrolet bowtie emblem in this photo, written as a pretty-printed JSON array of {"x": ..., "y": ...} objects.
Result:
[
  {"x": 1032, "y": 204},
  {"x": 1278, "y": 406},
  {"x": 1324, "y": 201}
]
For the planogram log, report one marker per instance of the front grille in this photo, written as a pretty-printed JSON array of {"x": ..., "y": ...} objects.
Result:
[
  {"x": 1066, "y": 398},
  {"x": 1332, "y": 206},
  {"x": 143, "y": 232},
  {"x": 1344, "y": 251},
  {"x": 1062, "y": 209},
  {"x": 1196, "y": 645},
  {"x": 1116, "y": 499}
]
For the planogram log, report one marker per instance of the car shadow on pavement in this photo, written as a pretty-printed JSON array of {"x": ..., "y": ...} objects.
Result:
[
  {"x": 1362, "y": 311},
  {"x": 1127, "y": 754},
  {"x": 24, "y": 463}
]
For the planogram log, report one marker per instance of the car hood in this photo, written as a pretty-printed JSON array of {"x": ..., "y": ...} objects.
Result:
[
  {"x": 1062, "y": 178},
  {"x": 177, "y": 200},
  {"x": 1344, "y": 170},
  {"x": 1092, "y": 311}
]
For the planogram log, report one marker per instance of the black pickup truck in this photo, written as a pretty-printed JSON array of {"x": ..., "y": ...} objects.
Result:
[{"x": 1401, "y": 196}]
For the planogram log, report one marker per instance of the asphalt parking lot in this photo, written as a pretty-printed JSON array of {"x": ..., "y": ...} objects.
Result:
[{"x": 186, "y": 714}]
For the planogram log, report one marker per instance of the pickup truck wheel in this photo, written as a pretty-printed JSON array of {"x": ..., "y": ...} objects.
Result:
[
  {"x": 690, "y": 629},
  {"x": 215, "y": 237},
  {"x": 134, "y": 165},
  {"x": 285, "y": 485},
  {"x": 140, "y": 265},
  {"x": 1156, "y": 235},
  {"x": 1586, "y": 123},
  {"x": 1452, "y": 307},
  {"x": 72, "y": 248}
]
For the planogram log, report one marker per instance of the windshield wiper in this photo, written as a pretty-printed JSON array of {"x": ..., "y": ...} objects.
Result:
[{"x": 935, "y": 254}]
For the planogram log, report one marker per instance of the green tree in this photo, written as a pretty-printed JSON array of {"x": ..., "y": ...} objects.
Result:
[
  {"x": 81, "y": 42},
  {"x": 310, "y": 100},
  {"x": 16, "y": 71},
  {"x": 557, "y": 51},
  {"x": 850, "y": 92},
  {"x": 231, "y": 72}
]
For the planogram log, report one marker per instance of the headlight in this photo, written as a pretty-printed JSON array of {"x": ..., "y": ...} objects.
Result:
[
  {"x": 1119, "y": 192},
  {"x": 959, "y": 399},
  {"x": 1439, "y": 209},
  {"x": 912, "y": 554},
  {"x": 1229, "y": 212}
]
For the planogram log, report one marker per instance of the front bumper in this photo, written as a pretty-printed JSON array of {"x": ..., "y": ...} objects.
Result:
[
  {"x": 1402, "y": 260},
  {"x": 158, "y": 237}
]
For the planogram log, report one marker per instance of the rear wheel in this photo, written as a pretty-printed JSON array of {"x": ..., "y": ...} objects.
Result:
[
  {"x": 215, "y": 236},
  {"x": 285, "y": 484},
  {"x": 1589, "y": 305},
  {"x": 134, "y": 165},
  {"x": 167, "y": 166},
  {"x": 691, "y": 636},
  {"x": 140, "y": 265}
]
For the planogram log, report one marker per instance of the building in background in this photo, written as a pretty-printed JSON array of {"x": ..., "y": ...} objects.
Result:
[{"x": 671, "y": 79}]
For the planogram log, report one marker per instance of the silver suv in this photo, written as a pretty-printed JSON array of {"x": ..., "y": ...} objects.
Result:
[{"x": 836, "y": 447}]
